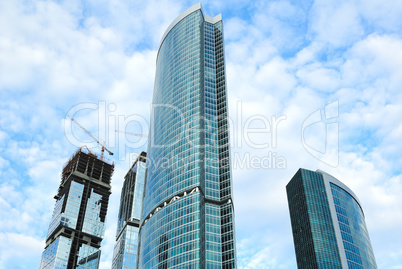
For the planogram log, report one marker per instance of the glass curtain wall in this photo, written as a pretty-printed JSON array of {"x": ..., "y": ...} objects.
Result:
[{"x": 187, "y": 220}]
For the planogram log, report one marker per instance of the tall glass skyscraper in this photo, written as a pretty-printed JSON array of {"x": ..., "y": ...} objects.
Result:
[
  {"x": 328, "y": 224},
  {"x": 132, "y": 193},
  {"x": 78, "y": 222},
  {"x": 188, "y": 214}
]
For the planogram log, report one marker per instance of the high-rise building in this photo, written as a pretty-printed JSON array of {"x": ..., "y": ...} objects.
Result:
[
  {"x": 329, "y": 230},
  {"x": 188, "y": 214},
  {"x": 126, "y": 247},
  {"x": 78, "y": 222}
]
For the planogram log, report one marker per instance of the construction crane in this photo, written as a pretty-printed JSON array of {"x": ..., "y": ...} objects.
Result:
[
  {"x": 130, "y": 133},
  {"x": 93, "y": 137}
]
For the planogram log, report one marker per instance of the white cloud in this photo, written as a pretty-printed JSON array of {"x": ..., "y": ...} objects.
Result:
[
  {"x": 336, "y": 23},
  {"x": 18, "y": 247},
  {"x": 383, "y": 16},
  {"x": 281, "y": 22},
  {"x": 318, "y": 77}
]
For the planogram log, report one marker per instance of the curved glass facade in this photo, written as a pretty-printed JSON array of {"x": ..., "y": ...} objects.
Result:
[
  {"x": 187, "y": 217},
  {"x": 329, "y": 230},
  {"x": 356, "y": 241},
  {"x": 312, "y": 224}
]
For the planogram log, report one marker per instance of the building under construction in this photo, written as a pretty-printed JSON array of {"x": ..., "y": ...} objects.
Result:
[{"x": 78, "y": 222}]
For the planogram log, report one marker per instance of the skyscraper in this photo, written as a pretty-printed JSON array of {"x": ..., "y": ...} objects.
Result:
[
  {"x": 126, "y": 247},
  {"x": 188, "y": 215},
  {"x": 78, "y": 222},
  {"x": 328, "y": 224}
]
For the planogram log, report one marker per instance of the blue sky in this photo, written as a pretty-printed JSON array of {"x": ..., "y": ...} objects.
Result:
[{"x": 285, "y": 59}]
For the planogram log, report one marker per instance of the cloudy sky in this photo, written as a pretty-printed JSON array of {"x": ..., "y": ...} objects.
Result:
[{"x": 319, "y": 79}]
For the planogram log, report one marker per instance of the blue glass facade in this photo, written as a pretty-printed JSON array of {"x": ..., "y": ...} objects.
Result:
[
  {"x": 187, "y": 219},
  {"x": 77, "y": 225},
  {"x": 312, "y": 224},
  {"x": 126, "y": 247},
  {"x": 328, "y": 224},
  {"x": 355, "y": 238},
  {"x": 56, "y": 254},
  {"x": 88, "y": 257}
]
